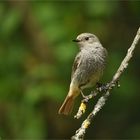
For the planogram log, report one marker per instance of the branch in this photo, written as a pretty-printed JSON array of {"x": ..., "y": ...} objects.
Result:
[{"x": 80, "y": 133}]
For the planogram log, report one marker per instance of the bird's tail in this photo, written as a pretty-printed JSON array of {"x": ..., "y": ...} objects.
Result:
[{"x": 68, "y": 103}]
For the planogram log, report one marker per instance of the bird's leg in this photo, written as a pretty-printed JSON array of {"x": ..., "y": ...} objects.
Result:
[
  {"x": 82, "y": 94},
  {"x": 101, "y": 87}
]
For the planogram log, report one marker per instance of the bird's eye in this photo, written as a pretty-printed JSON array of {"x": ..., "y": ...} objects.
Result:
[{"x": 86, "y": 38}]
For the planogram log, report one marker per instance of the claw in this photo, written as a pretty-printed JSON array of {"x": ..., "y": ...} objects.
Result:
[{"x": 102, "y": 87}]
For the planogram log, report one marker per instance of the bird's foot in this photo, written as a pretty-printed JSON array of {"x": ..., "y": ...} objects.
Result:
[
  {"x": 83, "y": 94},
  {"x": 87, "y": 97},
  {"x": 102, "y": 87}
]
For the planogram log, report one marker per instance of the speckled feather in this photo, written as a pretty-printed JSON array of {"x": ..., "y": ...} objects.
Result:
[{"x": 89, "y": 65}]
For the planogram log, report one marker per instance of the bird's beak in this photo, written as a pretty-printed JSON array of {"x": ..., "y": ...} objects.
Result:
[{"x": 76, "y": 40}]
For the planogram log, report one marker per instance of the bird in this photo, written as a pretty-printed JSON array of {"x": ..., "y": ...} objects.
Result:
[{"x": 87, "y": 68}]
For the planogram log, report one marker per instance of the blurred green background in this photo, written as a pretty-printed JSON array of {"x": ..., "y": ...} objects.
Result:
[{"x": 36, "y": 55}]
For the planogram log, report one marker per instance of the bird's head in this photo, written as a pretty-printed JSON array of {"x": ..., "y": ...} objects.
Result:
[{"x": 86, "y": 39}]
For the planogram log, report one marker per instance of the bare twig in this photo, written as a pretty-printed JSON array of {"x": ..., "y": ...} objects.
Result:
[
  {"x": 80, "y": 133},
  {"x": 83, "y": 105},
  {"x": 84, "y": 102}
]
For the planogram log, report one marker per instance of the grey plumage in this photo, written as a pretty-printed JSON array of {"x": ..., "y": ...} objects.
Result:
[
  {"x": 89, "y": 63},
  {"x": 87, "y": 68}
]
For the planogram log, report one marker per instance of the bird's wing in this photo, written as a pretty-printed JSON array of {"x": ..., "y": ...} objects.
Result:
[{"x": 76, "y": 64}]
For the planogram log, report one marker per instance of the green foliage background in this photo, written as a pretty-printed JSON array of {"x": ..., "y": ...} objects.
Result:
[{"x": 36, "y": 55}]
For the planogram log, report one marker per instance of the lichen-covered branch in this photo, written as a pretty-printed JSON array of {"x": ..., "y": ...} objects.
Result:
[
  {"x": 84, "y": 102},
  {"x": 80, "y": 133}
]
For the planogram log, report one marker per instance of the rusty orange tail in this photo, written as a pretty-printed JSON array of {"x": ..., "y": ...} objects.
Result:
[{"x": 68, "y": 103}]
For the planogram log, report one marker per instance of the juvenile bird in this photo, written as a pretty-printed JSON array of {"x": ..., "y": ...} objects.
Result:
[{"x": 87, "y": 68}]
